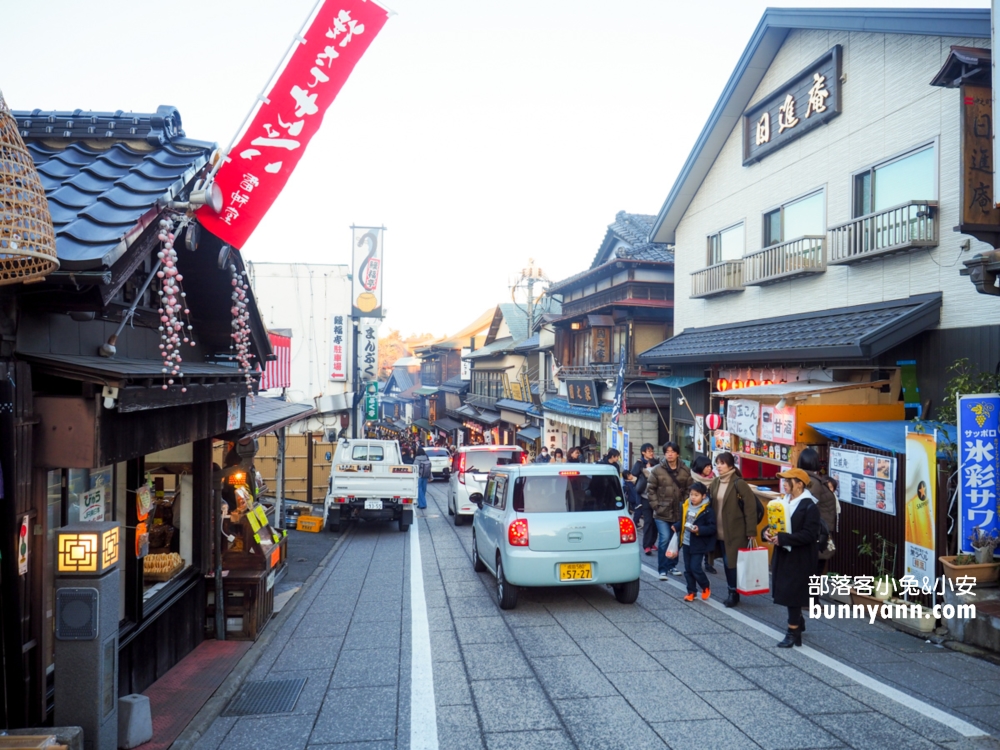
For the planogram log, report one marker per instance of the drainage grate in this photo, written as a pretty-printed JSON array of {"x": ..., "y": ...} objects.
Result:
[{"x": 266, "y": 697}]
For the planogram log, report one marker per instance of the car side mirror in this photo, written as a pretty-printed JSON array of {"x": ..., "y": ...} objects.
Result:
[{"x": 477, "y": 498}]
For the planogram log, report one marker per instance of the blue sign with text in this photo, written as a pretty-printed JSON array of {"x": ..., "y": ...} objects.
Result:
[{"x": 978, "y": 465}]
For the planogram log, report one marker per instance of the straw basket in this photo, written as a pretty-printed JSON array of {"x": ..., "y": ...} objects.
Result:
[{"x": 27, "y": 239}]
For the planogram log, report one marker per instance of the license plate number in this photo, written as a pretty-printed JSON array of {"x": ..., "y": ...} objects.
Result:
[
  {"x": 373, "y": 505},
  {"x": 575, "y": 572}
]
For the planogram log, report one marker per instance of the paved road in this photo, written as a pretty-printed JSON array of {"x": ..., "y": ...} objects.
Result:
[{"x": 572, "y": 668}]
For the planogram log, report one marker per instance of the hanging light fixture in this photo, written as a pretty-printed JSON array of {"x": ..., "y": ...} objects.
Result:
[
  {"x": 27, "y": 238},
  {"x": 722, "y": 385}
]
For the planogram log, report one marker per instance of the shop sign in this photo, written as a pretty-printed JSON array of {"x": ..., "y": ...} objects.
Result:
[
  {"x": 777, "y": 425},
  {"x": 743, "y": 417},
  {"x": 92, "y": 505},
  {"x": 721, "y": 441},
  {"x": 978, "y": 465},
  {"x": 760, "y": 448},
  {"x": 466, "y": 364},
  {"x": 367, "y": 355},
  {"x": 810, "y": 99},
  {"x": 921, "y": 505},
  {"x": 699, "y": 433},
  {"x": 432, "y": 410},
  {"x": 978, "y": 210},
  {"x": 366, "y": 283},
  {"x": 338, "y": 349},
  {"x": 234, "y": 413},
  {"x": 22, "y": 548},
  {"x": 600, "y": 345},
  {"x": 865, "y": 479},
  {"x": 582, "y": 392}
]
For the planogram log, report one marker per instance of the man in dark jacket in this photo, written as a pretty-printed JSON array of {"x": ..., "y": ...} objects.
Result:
[
  {"x": 646, "y": 460},
  {"x": 668, "y": 486}
]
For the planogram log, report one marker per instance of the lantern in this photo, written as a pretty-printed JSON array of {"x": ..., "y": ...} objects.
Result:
[
  {"x": 737, "y": 385},
  {"x": 713, "y": 421},
  {"x": 87, "y": 548},
  {"x": 722, "y": 384},
  {"x": 751, "y": 383}
]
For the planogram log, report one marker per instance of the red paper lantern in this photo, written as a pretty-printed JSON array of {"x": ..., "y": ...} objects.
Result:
[
  {"x": 713, "y": 421},
  {"x": 737, "y": 384},
  {"x": 722, "y": 384},
  {"x": 751, "y": 383}
]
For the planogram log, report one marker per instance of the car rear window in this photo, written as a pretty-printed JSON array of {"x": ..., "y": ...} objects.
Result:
[
  {"x": 437, "y": 453},
  {"x": 568, "y": 494},
  {"x": 367, "y": 453},
  {"x": 482, "y": 461}
]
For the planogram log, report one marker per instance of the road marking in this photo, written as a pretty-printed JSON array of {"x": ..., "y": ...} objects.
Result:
[
  {"x": 423, "y": 732},
  {"x": 959, "y": 725}
]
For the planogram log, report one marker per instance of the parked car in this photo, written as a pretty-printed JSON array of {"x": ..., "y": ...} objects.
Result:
[
  {"x": 470, "y": 466},
  {"x": 370, "y": 482},
  {"x": 440, "y": 462},
  {"x": 550, "y": 525}
]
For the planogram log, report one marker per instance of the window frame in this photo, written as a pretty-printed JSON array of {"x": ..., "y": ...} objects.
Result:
[
  {"x": 708, "y": 241},
  {"x": 781, "y": 207},
  {"x": 933, "y": 143}
]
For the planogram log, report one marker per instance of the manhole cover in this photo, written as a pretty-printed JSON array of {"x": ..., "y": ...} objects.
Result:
[{"x": 266, "y": 697}]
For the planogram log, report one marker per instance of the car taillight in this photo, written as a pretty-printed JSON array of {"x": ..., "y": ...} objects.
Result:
[
  {"x": 626, "y": 529},
  {"x": 569, "y": 473},
  {"x": 461, "y": 468},
  {"x": 517, "y": 533},
  {"x": 340, "y": 499}
]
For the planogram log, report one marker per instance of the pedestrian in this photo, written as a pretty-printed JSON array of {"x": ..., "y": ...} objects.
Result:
[
  {"x": 668, "y": 485},
  {"x": 557, "y": 456},
  {"x": 575, "y": 455},
  {"x": 826, "y": 501},
  {"x": 701, "y": 470},
  {"x": 795, "y": 555},
  {"x": 423, "y": 465},
  {"x": 631, "y": 496},
  {"x": 735, "y": 517},
  {"x": 613, "y": 457},
  {"x": 697, "y": 530},
  {"x": 543, "y": 456},
  {"x": 640, "y": 470}
]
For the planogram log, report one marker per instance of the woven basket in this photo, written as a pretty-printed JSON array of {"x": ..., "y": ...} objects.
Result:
[{"x": 27, "y": 239}]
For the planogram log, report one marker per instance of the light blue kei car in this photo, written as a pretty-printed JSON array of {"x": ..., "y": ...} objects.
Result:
[{"x": 555, "y": 525}]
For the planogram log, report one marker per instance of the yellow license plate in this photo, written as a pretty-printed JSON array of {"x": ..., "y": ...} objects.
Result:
[{"x": 575, "y": 572}]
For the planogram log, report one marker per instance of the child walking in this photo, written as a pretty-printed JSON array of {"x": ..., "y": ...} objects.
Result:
[{"x": 697, "y": 532}]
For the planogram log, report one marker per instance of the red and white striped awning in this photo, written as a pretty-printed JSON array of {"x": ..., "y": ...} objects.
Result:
[{"x": 278, "y": 372}]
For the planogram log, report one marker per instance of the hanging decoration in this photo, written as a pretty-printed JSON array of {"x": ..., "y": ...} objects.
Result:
[
  {"x": 241, "y": 325},
  {"x": 27, "y": 237},
  {"x": 175, "y": 318}
]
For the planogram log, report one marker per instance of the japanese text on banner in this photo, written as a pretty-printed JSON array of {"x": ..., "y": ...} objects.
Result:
[
  {"x": 263, "y": 159},
  {"x": 978, "y": 464}
]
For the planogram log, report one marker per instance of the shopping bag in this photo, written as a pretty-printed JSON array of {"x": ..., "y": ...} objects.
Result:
[
  {"x": 751, "y": 571},
  {"x": 672, "y": 546}
]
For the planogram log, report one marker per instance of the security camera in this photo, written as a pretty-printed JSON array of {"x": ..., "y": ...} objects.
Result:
[{"x": 610, "y": 383}]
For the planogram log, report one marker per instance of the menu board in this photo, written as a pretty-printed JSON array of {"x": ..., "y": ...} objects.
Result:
[
  {"x": 865, "y": 479},
  {"x": 777, "y": 425},
  {"x": 743, "y": 418}
]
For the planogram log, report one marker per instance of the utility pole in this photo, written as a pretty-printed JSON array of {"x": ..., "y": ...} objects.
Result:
[{"x": 529, "y": 276}]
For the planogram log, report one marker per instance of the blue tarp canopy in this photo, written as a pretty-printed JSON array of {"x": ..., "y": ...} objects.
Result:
[
  {"x": 886, "y": 436},
  {"x": 529, "y": 434},
  {"x": 674, "y": 381}
]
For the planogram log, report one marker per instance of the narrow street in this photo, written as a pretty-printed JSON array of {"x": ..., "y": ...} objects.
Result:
[{"x": 575, "y": 669}]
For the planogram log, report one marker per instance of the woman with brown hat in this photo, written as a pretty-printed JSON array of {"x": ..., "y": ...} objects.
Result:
[{"x": 795, "y": 552}]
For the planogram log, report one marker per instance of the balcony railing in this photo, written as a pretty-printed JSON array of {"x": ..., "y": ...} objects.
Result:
[
  {"x": 652, "y": 294},
  {"x": 600, "y": 371},
  {"x": 799, "y": 257},
  {"x": 721, "y": 278},
  {"x": 894, "y": 230}
]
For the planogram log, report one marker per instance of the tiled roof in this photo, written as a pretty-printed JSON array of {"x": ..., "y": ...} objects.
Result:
[
  {"x": 497, "y": 347},
  {"x": 527, "y": 345},
  {"x": 633, "y": 230},
  {"x": 107, "y": 174},
  {"x": 560, "y": 405},
  {"x": 858, "y": 332},
  {"x": 400, "y": 379},
  {"x": 455, "y": 385},
  {"x": 524, "y": 407}
]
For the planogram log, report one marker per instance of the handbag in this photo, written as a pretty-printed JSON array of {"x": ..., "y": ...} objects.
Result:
[
  {"x": 752, "y": 570},
  {"x": 673, "y": 546}
]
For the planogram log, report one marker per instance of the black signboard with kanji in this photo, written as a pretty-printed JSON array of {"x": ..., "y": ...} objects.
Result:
[{"x": 582, "y": 392}]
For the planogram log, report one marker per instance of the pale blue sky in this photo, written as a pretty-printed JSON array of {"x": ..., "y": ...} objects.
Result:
[{"x": 480, "y": 132}]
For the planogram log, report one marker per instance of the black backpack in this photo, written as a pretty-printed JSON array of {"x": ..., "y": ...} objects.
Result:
[
  {"x": 824, "y": 535},
  {"x": 425, "y": 469},
  {"x": 760, "y": 505}
]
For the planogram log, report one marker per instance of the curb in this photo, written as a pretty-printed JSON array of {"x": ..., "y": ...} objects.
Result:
[{"x": 221, "y": 697}]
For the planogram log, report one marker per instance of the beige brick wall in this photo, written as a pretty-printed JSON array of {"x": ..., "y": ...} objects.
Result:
[{"x": 888, "y": 106}]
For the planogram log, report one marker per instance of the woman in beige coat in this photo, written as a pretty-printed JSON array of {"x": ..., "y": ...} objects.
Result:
[{"x": 735, "y": 507}]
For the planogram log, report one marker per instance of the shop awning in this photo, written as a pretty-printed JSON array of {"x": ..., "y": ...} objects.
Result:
[
  {"x": 265, "y": 415},
  {"x": 524, "y": 407},
  {"x": 447, "y": 424},
  {"x": 488, "y": 417},
  {"x": 886, "y": 436},
  {"x": 467, "y": 411},
  {"x": 423, "y": 424},
  {"x": 596, "y": 321},
  {"x": 674, "y": 381},
  {"x": 800, "y": 389},
  {"x": 529, "y": 434},
  {"x": 425, "y": 390},
  {"x": 858, "y": 332}
]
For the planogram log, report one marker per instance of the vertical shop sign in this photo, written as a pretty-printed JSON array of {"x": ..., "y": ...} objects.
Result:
[
  {"x": 466, "y": 364},
  {"x": 978, "y": 209},
  {"x": 234, "y": 413},
  {"x": 921, "y": 494},
  {"x": 92, "y": 505},
  {"x": 367, "y": 355},
  {"x": 978, "y": 465},
  {"x": 599, "y": 345},
  {"x": 22, "y": 548},
  {"x": 366, "y": 285},
  {"x": 742, "y": 418},
  {"x": 338, "y": 349}
]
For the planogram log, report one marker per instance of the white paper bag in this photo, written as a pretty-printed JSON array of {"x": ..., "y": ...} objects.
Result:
[
  {"x": 672, "y": 546},
  {"x": 752, "y": 571}
]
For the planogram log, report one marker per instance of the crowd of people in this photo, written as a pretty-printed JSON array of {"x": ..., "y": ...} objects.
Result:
[{"x": 713, "y": 513}]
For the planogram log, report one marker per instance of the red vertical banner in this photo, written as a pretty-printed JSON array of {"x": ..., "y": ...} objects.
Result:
[{"x": 260, "y": 163}]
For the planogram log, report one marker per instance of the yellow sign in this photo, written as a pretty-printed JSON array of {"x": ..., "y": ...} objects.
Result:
[
  {"x": 776, "y": 516},
  {"x": 261, "y": 515},
  {"x": 920, "y": 509}
]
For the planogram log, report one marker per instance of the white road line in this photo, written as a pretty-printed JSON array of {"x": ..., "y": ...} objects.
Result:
[
  {"x": 959, "y": 725},
  {"x": 423, "y": 712}
]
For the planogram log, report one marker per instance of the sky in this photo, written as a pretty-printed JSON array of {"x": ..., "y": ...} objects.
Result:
[{"x": 481, "y": 133}]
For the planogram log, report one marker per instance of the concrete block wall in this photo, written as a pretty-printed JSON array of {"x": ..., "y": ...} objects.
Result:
[
  {"x": 642, "y": 428},
  {"x": 888, "y": 107}
]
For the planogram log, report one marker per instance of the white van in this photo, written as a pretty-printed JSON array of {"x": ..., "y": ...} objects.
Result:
[
  {"x": 370, "y": 482},
  {"x": 470, "y": 466}
]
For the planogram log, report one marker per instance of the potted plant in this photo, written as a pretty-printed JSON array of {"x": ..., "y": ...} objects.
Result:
[
  {"x": 965, "y": 565},
  {"x": 984, "y": 543},
  {"x": 883, "y": 555}
]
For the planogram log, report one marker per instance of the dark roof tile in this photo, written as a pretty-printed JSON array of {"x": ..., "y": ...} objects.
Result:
[
  {"x": 109, "y": 214},
  {"x": 70, "y": 196}
]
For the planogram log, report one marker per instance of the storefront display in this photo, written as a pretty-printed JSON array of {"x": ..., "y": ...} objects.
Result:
[{"x": 865, "y": 479}]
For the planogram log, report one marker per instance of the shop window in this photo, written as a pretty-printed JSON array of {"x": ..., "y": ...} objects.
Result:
[
  {"x": 726, "y": 245},
  {"x": 910, "y": 177},
  {"x": 170, "y": 523},
  {"x": 684, "y": 437},
  {"x": 798, "y": 218}
]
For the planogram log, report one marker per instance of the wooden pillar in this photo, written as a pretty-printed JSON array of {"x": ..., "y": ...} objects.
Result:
[{"x": 309, "y": 467}]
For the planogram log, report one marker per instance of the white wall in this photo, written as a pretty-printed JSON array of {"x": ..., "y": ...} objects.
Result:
[
  {"x": 304, "y": 297},
  {"x": 888, "y": 106}
]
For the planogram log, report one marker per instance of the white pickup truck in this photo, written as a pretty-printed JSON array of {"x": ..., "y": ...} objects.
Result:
[{"x": 370, "y": 482}]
